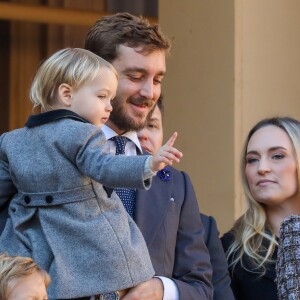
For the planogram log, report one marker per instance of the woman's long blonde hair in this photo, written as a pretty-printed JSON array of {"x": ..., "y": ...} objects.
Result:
[{"x": 254, "y": 237}]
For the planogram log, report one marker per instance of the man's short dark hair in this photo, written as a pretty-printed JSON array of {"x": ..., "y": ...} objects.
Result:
[{"x": 125, "y": 29}]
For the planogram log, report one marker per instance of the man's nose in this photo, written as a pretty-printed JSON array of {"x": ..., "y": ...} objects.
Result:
[
  {"x": 147, "y": 90},
  {"x": 142, "y": 134}
]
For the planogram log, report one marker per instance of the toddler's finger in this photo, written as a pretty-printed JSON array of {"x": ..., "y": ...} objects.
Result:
[{"x": 172, "y": 139}]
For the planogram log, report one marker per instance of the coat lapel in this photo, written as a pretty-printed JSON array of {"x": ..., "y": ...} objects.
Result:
[{"x": 151, "y": 207}]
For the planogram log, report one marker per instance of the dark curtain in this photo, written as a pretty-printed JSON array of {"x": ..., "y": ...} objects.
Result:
[{"x": 136, "y": 7}]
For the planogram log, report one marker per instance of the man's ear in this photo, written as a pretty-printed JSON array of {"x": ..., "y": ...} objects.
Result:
[{"x": 65, "y": 94}]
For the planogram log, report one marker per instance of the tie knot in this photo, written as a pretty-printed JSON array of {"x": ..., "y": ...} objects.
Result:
[{"x": 120, "y": 142}]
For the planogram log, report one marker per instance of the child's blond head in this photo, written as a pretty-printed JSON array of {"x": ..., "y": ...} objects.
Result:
[
  {"x": 13, "y": 268},
  {"x": 73, "y": 66}
]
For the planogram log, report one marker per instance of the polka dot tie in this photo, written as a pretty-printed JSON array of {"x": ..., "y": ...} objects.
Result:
[{"x": 127, "y": 196}]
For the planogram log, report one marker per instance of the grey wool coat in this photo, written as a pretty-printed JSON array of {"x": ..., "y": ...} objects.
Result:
[{"x": 61, "y": 215}]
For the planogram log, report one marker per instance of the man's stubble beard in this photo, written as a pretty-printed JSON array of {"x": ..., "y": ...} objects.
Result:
[{"x": 124, "y": 122}]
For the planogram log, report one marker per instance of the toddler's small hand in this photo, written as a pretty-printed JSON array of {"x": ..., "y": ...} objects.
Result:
[{"x": 166, "y": 155}]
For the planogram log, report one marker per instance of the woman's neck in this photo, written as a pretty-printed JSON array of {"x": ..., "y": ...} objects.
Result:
[{"x": 276, "y": 214}]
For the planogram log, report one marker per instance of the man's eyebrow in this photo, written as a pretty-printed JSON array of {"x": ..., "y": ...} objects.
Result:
[
  {"x": 135, "y": 69},
  {"x": 141, "y": 70},
  {"x": 154, "y": 119}
]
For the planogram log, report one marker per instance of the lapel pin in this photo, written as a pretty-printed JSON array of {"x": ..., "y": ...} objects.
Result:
[{"x": 164, "y": 175}]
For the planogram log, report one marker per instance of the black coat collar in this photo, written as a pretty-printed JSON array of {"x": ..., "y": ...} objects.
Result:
[{"x": 51, "y": 116}]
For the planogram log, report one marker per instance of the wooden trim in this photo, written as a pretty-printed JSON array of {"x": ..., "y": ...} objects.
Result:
[
  {"x": 27, "y": 52},
  {"x": 4, "y": 75},
  {"x": 50, "y": 15}
]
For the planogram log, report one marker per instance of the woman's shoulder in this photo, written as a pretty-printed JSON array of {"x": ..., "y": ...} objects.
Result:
[{"x": 227, "y": 239}]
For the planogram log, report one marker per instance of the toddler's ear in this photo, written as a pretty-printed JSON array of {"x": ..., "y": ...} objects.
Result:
[{"x": 65, "y": 94}]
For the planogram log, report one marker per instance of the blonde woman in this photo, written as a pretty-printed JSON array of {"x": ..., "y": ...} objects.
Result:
[
  {"x": 270, "y": 178},
  {"x": 21, "y": 276}
]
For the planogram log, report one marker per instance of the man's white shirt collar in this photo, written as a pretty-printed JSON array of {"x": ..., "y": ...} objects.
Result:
[{"x": 131, "y": 135}]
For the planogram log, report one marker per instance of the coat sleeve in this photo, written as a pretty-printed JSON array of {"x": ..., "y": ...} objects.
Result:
[
  {"x": 227, "y": 239},
  {"x": 7, "y": 188},
  {"x": 192, "y": 269},
  {"x": 84, "y": 144},
  {"x": 220, "y": 279}
]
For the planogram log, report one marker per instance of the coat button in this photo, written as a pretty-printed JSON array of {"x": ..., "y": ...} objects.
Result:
[
  {"x": 27, "y": 199},
  {"x": 49, "y": 199}
]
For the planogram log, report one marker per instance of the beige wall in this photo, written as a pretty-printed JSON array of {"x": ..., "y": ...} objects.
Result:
[
  {"x": 233, "y": 62},
  {"x": 271, "y": 59}
]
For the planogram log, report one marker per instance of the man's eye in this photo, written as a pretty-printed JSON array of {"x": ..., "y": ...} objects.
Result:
[
  {"x": 152, "y": 126},
  {"x": 102, "y": 97},
  {"x": 135, "y": 78},
  {"x": 157, "y": 81}
]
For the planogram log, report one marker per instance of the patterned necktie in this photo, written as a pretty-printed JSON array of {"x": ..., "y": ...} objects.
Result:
[{"x": 127, "y": 196}]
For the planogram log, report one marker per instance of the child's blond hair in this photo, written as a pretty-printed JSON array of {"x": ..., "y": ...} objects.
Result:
[
  {"x": 16, "y": 267},
  {"x": 73, "y": 66}
]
